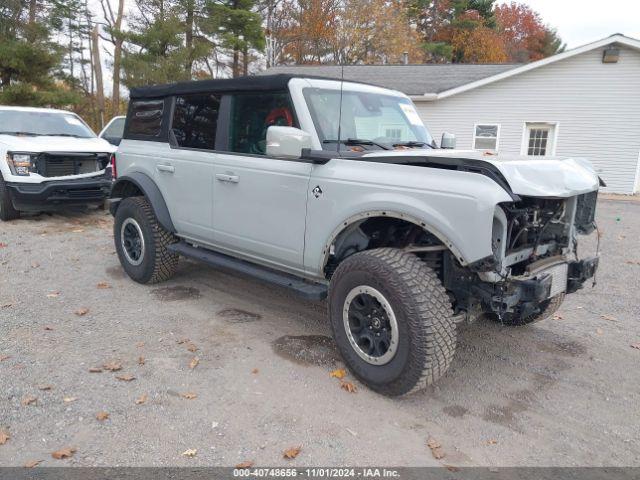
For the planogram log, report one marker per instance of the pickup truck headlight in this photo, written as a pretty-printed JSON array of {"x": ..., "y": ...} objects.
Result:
[{"x": 20, "y": 163}]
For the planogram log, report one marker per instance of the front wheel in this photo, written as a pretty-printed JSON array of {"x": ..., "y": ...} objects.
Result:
[
  {"x": 141, "y": 242},
  {"x": 7, "y": 212},
  {"x": 391, "y": 320}
]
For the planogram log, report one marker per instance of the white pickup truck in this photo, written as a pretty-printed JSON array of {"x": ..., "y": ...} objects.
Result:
[
  {"x": 337, "y": 189},
  {"x": 50, "y": 159}
]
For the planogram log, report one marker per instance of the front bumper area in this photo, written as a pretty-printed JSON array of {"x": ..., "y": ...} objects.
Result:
[{"x": 57, "y": 194}]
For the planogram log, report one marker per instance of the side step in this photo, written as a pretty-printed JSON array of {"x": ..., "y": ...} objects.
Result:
[{"x": 310, "y": 291}]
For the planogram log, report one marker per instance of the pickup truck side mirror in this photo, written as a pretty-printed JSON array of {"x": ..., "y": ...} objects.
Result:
[
  {"x": 287, "y": 141},
  {"x": 448, "y": 140}
]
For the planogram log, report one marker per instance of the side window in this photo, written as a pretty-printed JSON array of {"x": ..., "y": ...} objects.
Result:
[
  {"x": 252, "y": 114},
  {"x": 145, "y": 117},
  {"x": 195, "y": 119}
]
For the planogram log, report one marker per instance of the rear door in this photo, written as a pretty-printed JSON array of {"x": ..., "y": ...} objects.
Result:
[
  {"x": 184, "y": 173},
  {"x": 259, "y": 203}
]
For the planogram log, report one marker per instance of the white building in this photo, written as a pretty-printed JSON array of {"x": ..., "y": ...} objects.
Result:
[{"x": 583, "y": 103}]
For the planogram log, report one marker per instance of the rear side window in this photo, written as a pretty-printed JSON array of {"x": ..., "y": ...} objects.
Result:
[
  {"x": 145, "y": 117},
  {"x": 195, "y": 119},
  {"x": 252, "y": 115}
]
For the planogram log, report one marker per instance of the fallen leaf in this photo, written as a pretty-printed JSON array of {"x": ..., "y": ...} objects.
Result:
[
  {"x": 102, "y": 416},
  {"x": 191, "y": 452},
  {"x": 3, "y": 245},
  {"x": 112, "y": 366},
  {"x": 4, "y": 357},
  {"x": 492, "y": 442},
  {"x": 4, "y": 437},
  {"x": 95, "y": 370},
  {"x": 348, "y": 386},
  {"x": 125, "y": 377},
  {"x": 452, "y": 468},
  {"x": 63, "y": 453},
  {"x": 189, "y": 395},
  {"x": 599, "y": 331},
  {"x": 291, "y": 452},
  {"x": 194, "y": 363},
  {"x": 557, "y": 317},
  {"x": 255, "y": 371},
  {"x": 609, "y": 318},
  {"x": 35, "y": 264},
  {"x": 6, "y": 305},
  {"x": 433, "y": 443},
  {"x": 140, "y": 344},
  {"x": 29, "y": 400},
  {"x": 182, "y": 340},
  {"x": 192, "y": 347},
  {"x": 103, "y": 285},
  {"x": 635, "y": 345},
  {"x": 77, "y": 230},
  {"x": 48, "y": 327},
  {"x": 81, "y": 312},
  {"x": 45, "y": 387},
  {"x": 69, "y": 399},
  {"x": 141, "y": 399},
  {"x": 53, "y": 294},
  {"x": 32, "y": 463},
  {"x": 245, "y": 464},
  {"x": 339, "y": 373},
  {"x": 140, "y": 360},
  {"x": 437, "y": 453}
]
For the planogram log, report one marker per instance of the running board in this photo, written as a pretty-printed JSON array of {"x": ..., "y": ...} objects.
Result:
[{"x": 307, "y": 290}]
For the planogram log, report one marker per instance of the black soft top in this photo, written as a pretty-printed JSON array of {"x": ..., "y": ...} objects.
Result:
[{"x": 260, "y": 83}]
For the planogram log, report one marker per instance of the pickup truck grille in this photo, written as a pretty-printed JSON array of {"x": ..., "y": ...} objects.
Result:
[{"x": 66, "y": 164}]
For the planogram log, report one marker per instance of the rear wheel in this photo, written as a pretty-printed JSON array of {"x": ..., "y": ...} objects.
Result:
[
  {"x": 142, "y": 243},
  {"x": 547, "y": 308},
  {"x": 392, "y": 320},
  {"x": 7, "y": 212}
]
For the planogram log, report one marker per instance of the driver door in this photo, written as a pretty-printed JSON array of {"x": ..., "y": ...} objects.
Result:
[{"x": 259, "y": 203}]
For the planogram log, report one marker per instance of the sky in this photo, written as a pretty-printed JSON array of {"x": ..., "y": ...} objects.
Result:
[{"x": 584, "y": 21}]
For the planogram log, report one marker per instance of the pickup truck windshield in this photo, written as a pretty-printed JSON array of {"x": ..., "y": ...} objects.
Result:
[
  {"x": 374, "y": 118},
  {"x": 16, "y": 122}
]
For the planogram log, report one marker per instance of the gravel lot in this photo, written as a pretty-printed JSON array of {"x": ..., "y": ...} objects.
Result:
[{"x": 562, "y": 392}]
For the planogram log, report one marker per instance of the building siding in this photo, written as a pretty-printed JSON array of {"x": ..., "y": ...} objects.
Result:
[{"x": 596, "y": 107}]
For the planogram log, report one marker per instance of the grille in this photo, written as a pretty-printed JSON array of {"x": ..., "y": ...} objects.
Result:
[{"x": 65, "y": 164}]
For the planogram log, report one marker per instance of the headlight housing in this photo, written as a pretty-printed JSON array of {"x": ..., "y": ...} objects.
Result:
[{"x": 20, "y": 163}]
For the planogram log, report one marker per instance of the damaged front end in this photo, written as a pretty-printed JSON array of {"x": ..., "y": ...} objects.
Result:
[{"x": 534, "y": 243}]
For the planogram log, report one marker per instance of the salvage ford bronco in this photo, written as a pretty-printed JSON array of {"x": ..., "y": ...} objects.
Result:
[
  {"x": 49, "y": 159},
  {"x": 336, "y": 189}
]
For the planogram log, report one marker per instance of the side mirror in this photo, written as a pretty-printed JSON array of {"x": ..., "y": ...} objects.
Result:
[
  {"x": 448, "y": 140},
  {"x": 287, "y": 141}
]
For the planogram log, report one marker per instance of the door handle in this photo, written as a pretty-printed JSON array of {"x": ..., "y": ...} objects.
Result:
[
  {"x": 165, "y": 168},
  {"x": 223, "y": 177}
]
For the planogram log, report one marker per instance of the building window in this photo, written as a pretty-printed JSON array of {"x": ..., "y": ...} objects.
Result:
[
  {"x": 485, "y": 137},
  {"x": 539, "y": 139}
]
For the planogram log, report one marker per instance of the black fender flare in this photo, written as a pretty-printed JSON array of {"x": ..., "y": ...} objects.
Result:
[{"x": 149, "y": 189}]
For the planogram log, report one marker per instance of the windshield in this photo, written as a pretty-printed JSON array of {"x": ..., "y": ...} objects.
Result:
[
  {"x": 43, "y": 123},
  {"x": 379, "y": 119}
]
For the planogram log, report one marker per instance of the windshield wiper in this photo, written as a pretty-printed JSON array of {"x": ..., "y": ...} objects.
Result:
[
  {"x": 61, "y": 135},
  {"x": 31, "y": 134},
  {"x": 358, "y": 141},
  {"x": 413, "y": 143}
]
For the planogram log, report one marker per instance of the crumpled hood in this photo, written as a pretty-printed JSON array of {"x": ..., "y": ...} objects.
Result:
[
  {"x": 26, "y": 143},
  {"x": 527, "y": 176}
]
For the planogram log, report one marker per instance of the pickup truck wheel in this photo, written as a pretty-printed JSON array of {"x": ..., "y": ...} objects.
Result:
[
  {"x": 7, "y": 212},
  {"x": 548, "y": 308},
  {"x": 142, "y": 243},
  {"x": 392, "y": 320}
]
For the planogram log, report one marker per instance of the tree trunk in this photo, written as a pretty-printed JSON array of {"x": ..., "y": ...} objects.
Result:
[
  {"x": 97, "y": 68},
  {"x": 189, "y": 38},
  {"x": 236, "y": 62},
  {"x": 245, "y": 60},
  {"x": 117, "y": 56}
]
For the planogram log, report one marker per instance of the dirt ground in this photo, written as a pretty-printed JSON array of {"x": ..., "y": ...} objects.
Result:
[{"x": 563, "y": 392}]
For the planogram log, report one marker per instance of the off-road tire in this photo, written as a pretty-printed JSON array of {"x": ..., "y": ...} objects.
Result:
[
  {"x": 547, "y": 308},
  {"x": 158, "y": 263},
  {"x": 427, "y": 331},
  {"x": 7, "y": 212}
]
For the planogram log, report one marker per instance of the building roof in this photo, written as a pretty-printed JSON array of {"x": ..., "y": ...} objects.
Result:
[
  {"x": 429, "y": 82},
  {"x": 409, "y": 79}
]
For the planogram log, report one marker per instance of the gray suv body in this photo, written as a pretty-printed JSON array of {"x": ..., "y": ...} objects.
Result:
[{"x": 337, "y": 189}]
